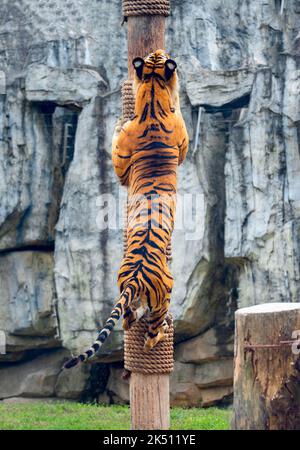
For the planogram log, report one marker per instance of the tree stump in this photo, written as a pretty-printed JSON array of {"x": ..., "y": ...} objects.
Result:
[{"x": 267, "y": 367}]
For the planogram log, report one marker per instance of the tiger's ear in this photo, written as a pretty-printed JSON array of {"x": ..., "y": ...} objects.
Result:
[
  {"x": 138, "y": 64},
  {"x": 170, "y": 67}
]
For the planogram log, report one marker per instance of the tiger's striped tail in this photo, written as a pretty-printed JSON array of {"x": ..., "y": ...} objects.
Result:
[{"x": 125, "y": 299}]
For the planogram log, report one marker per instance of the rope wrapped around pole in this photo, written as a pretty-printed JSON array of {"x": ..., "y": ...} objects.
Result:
[
  {"x": 147, "y": 7},
  {"x": 127, "y": 101},
  {"x": 158, "y": 360}
]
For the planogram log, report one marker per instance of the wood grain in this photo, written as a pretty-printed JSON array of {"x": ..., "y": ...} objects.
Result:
[
  {"x": 149, "y": 401},
  {"x": 145, "y": 34},
  {"x": 267, "y": 371}
]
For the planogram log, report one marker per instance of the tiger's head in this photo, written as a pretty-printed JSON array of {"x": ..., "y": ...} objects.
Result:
[{"x": 157, "y": 65}]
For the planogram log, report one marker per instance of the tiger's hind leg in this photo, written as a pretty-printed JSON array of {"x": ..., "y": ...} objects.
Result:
[
  {"x": 131, "y": 316},
  {"x": 128, "y": 318},
  {"x": 157, "y": 325}
]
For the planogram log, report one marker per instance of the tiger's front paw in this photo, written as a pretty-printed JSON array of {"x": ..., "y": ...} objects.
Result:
[
  {"x": 121, "y": 123},
  {"x": 118, "y": 127}
]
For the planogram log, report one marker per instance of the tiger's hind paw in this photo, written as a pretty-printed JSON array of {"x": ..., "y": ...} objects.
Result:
[
  {"x": 129, "y": 321},
  {"x": 153, "y": 341},
  {"x": 148, "y": 345},
  {"x": 126, "y": 324}
]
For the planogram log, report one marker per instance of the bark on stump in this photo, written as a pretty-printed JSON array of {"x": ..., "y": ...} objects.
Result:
[{"x": 267, "y": 367}]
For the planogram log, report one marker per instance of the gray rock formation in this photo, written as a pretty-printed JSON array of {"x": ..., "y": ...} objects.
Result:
[
  {"x": 61, "y": 65},
  {"x": 27, "y": 309},
  {"x": 32, "y": 379}
]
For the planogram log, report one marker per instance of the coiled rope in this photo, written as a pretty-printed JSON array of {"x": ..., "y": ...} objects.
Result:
[
  {"x": 149, "y": 7},
  {"x": 158, "y": 360}
]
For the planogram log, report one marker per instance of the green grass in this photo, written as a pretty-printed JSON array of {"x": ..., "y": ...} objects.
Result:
[{"x": 76, "y": 416}]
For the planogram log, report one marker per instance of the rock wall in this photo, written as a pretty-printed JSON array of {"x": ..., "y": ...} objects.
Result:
[{"x": 61, "y": 65}]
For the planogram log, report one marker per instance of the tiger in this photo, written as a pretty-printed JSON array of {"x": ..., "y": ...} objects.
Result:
[{"x": 146, "y": 152}]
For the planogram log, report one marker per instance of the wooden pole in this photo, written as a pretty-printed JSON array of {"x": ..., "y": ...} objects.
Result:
[
  {"x": 145, "y": 34},
  {"x": 267, "y": 367},
  {"x": 149, "y": 380},
  {"x": 149, "y": 393},
  {"x": 149, "y": 401}
]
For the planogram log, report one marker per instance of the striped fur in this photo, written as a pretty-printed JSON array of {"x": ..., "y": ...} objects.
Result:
[{"x": 146, "y": 153}]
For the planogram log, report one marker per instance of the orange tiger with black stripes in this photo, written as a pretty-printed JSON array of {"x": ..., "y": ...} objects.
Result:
[{"x": 145, "y": 153}]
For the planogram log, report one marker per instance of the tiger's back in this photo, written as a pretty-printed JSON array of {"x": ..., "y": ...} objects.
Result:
[{"x": 145, "y": 153}]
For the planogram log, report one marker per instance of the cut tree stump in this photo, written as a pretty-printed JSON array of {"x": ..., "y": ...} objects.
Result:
[{"x": 267, "y": 367}]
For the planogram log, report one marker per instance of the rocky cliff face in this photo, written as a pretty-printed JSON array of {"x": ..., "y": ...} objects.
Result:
[{"x": 61, "y": 65}]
